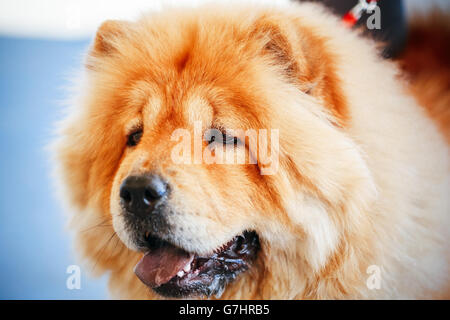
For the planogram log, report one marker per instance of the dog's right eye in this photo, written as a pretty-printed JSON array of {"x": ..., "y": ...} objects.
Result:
[{"x": 134, "y": 138}]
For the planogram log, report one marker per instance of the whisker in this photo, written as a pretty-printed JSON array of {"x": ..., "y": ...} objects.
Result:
[
  {"x": 103, "y": 249},
  {"x": 114, "y": 249},
  {"x": 100, "y": 224}
]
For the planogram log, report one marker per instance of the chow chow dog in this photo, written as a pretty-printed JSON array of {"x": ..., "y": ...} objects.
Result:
[{"x": 356, "y": 205}]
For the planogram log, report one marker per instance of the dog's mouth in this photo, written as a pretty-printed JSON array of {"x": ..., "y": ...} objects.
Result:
[{"x": 174, "y": 272}]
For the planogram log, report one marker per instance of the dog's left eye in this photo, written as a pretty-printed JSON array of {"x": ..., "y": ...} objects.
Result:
[
  {"x": 134, "y": 138},
  {"x": 227, "y": 139},
  {"x": 217, "y": 136}
]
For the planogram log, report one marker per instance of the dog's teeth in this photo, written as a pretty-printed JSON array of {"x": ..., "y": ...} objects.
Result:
[
  {"x": 180, "y": 273},
  {"x": 187, "y": 267}
]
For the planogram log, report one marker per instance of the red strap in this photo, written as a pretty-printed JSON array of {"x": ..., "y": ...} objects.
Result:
[
  {"x": 352, "y": 16},
  {"x": 349, "y": 19}
]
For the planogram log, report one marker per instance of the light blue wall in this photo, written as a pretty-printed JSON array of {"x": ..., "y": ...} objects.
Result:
[{"x": 35, "y": 249}]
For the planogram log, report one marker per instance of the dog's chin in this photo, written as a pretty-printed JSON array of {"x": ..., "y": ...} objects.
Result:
[{"x": 174, "y": 272}]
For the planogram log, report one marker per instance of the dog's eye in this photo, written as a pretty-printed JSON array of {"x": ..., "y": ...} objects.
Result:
[
  {"x": 214, "y": 135},
  {"x": 227, "y": 139},
  {"x": 134, "y": 138}
]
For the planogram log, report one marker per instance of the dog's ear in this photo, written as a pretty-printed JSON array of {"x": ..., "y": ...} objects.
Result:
[
  {"x": 106, "y": 40},
  {"x": 284, "y": 46},
  {"x": 303, "y": 58}
]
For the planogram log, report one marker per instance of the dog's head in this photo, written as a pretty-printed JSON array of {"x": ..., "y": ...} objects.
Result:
[{"x": 209, "y": 146}]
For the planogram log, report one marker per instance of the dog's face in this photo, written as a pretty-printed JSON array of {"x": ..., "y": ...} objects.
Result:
[
  {"x": 163, "y": 102},
  {"x": 208, "y": 211}
]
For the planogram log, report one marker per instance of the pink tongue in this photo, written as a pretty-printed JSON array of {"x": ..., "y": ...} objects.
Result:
[{"x": 159, "y": 266}]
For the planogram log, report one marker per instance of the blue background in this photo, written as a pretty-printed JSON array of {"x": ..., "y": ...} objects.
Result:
[{"x": 35, "y": 246}]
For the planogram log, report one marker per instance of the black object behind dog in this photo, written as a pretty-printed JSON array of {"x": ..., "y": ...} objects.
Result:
[{"x": 393, "y": 29}]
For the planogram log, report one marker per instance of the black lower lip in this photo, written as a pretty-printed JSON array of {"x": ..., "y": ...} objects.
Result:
[{"x": 215, "y": 271}]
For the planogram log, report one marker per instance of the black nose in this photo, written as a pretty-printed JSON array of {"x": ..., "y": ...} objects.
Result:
[{"x": 140, "y": 194}]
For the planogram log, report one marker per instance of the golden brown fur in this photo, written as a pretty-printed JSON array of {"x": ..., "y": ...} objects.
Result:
[{"x": 354, "y": 187}]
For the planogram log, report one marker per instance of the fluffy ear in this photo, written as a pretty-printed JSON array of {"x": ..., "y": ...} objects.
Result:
[
  {"x": 284, "y": 46},
  {"x": 105, "y": 42},
  {"x": 303, "y": 58}
]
